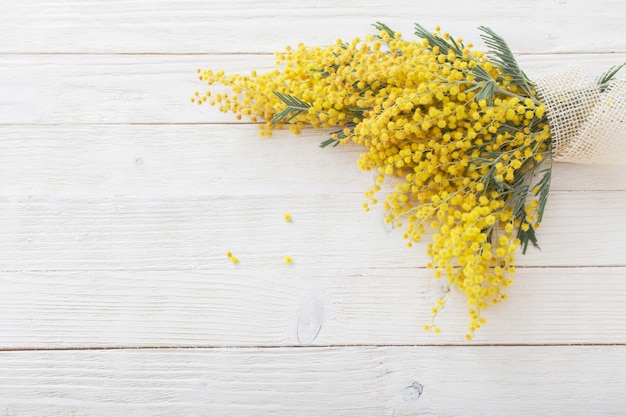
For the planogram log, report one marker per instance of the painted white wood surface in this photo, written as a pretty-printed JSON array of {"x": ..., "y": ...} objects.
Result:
[
  {"x": 153, "y": 89},
  {"x": 275, "y": 307},
  {"x": 119, "y": 199},
  {"x": 198, "y": 26},
  {"x": 449, "y": 381}
]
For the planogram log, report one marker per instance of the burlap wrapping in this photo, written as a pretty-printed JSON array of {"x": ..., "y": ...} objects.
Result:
[{"x": 588, "y": 126}]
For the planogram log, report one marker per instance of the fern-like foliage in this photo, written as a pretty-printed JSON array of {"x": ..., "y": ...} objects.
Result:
[
  {"x": 295, "y": 107},
  {"x": 604, "y": 79},
  {"x": 542, "y": 192},
  {"x": 383, "y": 27},
  {"x": 486, "y": 85},
  {"x": 434, "y": 40},
  {"x": 336, "y": 137},
  {"x": 504, "y": 58}
]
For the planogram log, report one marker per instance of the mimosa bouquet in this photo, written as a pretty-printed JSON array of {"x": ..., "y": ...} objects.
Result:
[{"x": 468, "y": 136}]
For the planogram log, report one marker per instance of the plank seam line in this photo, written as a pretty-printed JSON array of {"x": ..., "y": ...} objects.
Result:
[
  {"x": 374, "y": 269},
  {"x": 88, "y": 124},
  {"x": 154, "y": 53},
  {"x": 253, "y": 53},
  {"x": 315, "y": 347}
]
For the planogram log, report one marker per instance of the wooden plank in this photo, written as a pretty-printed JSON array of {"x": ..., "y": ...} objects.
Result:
[
  {"x": 173, "y": 160},
  {"x": 118, "y": 207},
  {"x": 358, "y": 381},
  {"x": 254, "y": 25},
  {"x": 285, "y": 306},
  {"x": 88, "y": 89},
  {"x": 137, "y": 233},
  {"x": 202, "y": 160}
]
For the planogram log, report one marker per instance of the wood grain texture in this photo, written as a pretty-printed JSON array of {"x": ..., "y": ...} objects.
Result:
[
  {"x": 119, "y": 199},
  {"x": 330, "y": 230},
  {"x": 155, "y": 89},
  {"x": 354, "y": 381},
  {"x": 204, "y": 160},
  {"x": 254, "y": 25},
  {"x": 291, "y": 305}
]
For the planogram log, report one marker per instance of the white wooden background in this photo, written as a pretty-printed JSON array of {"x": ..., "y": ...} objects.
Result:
[{"x": 119, "y": 199}]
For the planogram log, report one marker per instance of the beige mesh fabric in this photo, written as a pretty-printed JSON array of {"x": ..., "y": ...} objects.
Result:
[{"x": 588, "y": 126}]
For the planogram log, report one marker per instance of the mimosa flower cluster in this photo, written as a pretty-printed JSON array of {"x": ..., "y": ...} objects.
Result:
[{"x": 463, "y": 134}]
